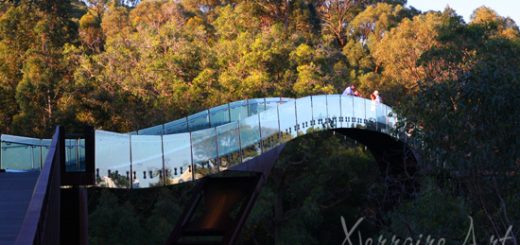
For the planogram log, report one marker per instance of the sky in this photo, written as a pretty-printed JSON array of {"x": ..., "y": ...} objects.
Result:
[{"x": 506, "y": 8}]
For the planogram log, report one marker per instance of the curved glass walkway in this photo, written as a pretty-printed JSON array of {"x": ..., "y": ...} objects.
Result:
[{"x": 203, "y": 143}]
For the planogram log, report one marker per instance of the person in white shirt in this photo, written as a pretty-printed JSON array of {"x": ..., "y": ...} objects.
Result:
[
  {"x": 349, "y": 91},
  {"x": 375, "y": 96}
]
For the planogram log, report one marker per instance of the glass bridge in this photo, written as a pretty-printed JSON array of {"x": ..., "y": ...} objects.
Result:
[{"x": 203, "y": 143}]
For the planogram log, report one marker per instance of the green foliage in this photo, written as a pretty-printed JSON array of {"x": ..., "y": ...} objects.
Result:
[
  {"x": 107, "y": 223},
  {"x": 468, "y": 121},
  {"x": 125, "y": 65},
  {"x": 433, "y": 212},
  {"x": 318, "y": 178},
  {"x": 122, "y": 65},
  {"x": 136, "y": 217}
]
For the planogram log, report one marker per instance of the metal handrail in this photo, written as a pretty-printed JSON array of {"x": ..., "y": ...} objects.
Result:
[{"x": 41, "y": 224}]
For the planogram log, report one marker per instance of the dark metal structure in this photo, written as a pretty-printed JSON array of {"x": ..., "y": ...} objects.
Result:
[
  {"x": 247, "y": 137},
  {"x": 208, "y": 220},
  {"x": 57, "y": 212}
]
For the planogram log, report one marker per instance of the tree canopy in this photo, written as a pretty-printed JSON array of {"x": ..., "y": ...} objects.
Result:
[{"x": 122, "y": 65}]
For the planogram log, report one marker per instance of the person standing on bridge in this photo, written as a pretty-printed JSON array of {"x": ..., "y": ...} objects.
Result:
[
  {"x": 375, "y": 96},
  {"x": 351, "y": 90}
]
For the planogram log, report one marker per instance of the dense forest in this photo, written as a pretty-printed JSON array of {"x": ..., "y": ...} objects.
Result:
[
  {"x": 126, "y": 64},
  {"x": 123, "y": 65}
]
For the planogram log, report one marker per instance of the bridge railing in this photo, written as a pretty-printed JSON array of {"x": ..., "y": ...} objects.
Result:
[
  {"x": 41, "y": 224},
  {"x": 19, "y": 153},
  {"x": 22, "y": 153},
  {"x": 209, "y": 141},
  {"x": 215, "y": 116},
  {"x": 139, "y": 160}
]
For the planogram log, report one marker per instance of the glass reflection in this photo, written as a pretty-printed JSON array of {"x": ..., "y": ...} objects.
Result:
[
  {"x": 287, "y": 118},
  {"x": 155, "y": 130},
  {"x": 191, "y": 151},
  {"x": 204, "y": 146},
  {"x": 20, "y": 153},
  {"x": 304, "y": 114},
  {"x": 358, "y": 118},
  {"x": 269, "y": 129},
  {"x": 113, "y": 160},
  {"x": 334, "y": 110},
  {"x": 75, "y": 155},
  {"x": 147, "y": 160},
  {"x": 319, "y": 111},
  {"x": 228, "y": 145},
  {"x": 238, "y": 110},
  {"x": 198, "y": 121},
  {"x": 177, "y": 126},
  {"x": 177, "y": 158},
  {"x": 219, "y": 115},
  {"x": 250, "y": 138}
]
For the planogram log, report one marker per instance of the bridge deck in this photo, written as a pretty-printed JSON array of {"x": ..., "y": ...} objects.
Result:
[{"x": 15, "y": 194}]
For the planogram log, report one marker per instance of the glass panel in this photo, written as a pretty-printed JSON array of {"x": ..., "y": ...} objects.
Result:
[
  {"x": 204, "y": 152},
  {"x": 177, "y": 158},
  {"x": 287, "y": 119},
  {"x": 219, "y": 115},
  {"x": 347, "y": 111},
  {"x": 271, "y": 103},
  {"x": 304, "y": 114},
  {"x": 155, "y": 130},
  {"x": 269, "y": 128},
  {"x": 250, "y": 138},
  {"x": 370, "y": 114},
  {"x": 228, "y": 145},
  {"x": 198, "y": 121},
  {"x": 238, "y": 110},
  {"x": 20, "y": 153},
  {"x": 333, "y": 109},
  {"x": 392, "y": 119},
  {"x": 359, "y": 112},
  {"x": 17, "y": 156},
  {"x": 75, "y": 155},
  {"x": 381, "y": 117},
  {"x": 146, "y": 160},
  {"x": 255, "y": 106},
  {"x": 177, "y": 126},
  {"x": 112, "y": 159},
  {"x": 46, "y": 144},
  {"x": 20, "y": 139},
  {"x": 319, "y": 110}
]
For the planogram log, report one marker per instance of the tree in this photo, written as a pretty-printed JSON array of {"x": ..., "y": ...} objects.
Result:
[
  {"x": 15, "y": 40},
  {"x": 109, "y": 225},
  {"x": 310, "y": 188},
  {"x": 37, "y": 54},
  {"x": 399, "y": 51},
  {"x": 90, "y": 31},
  {"x": 481, "y": 154},
  {"x": 365, "y": 32},
  {"x": 506, "y": 27},
  {"x": 336, "y": 15}
]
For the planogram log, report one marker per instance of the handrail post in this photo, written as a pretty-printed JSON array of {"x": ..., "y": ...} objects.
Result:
[
  {"x": 1, "y": 155},
  {"x": 240, "y": 143},
  {"x": 260, "y": 134},
  {"x": 131, "y": 174},
  {"x": 191, "y": 157},
  {"x": 217, "y": 159},
  {"x": 162, "y": 176}
]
